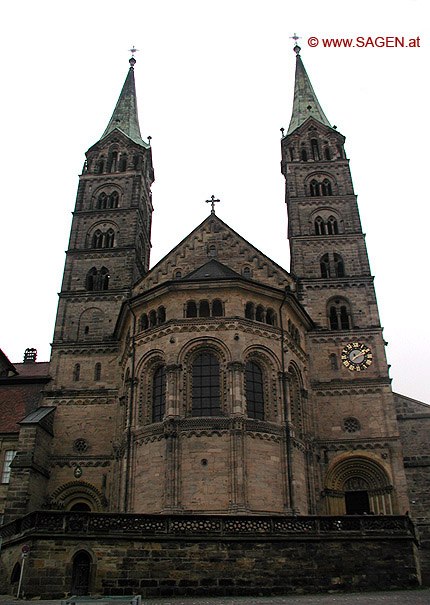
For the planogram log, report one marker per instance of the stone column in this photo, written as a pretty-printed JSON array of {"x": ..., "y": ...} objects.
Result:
[
  {"x": 237, "y": 399},
  {"x": 172, "y": 476},
  {"x": 286, "y": 454},
  {"x": 238, "y": 488},
  {"x": 237, "y": 405},
  {"x": 173, "y": 407}
]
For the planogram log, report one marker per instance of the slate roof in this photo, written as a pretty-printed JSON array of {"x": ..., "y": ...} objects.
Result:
[
  {"x": 38, "y": 415},
  {"x": 124, "y": 117},
  {"x": 212, "y": 270},
  {"x": 305, "y": 102}
]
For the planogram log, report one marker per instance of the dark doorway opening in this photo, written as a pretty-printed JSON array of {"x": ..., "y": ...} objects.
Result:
[
  {"x": 81, "y": 506},
  {"x": 81, "y": 573},
  {"x": 357, "y": 503}
]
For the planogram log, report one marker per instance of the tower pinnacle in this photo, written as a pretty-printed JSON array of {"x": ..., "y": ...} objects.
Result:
[
  {"x": 305, "y": 102},
  {"x": 125, "y": 117}
]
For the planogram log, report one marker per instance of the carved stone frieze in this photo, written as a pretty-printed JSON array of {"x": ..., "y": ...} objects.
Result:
[
  {"x": 82, "y": 462},
  {"x": 82, "y": 401},
  {"x": 353, "y": 446}
]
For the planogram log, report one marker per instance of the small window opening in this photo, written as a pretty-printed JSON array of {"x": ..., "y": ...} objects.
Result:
[
  {"x": 319, "y": 226},
  {"x": 270, "y": 317},
  {"x": 325, "y": 266},
  {"x": 161, "y": 315},
  {"x": 217, "y": 310},
  {"x": 249, "y": 311},
  {"x": 144, "y": 323},
  {"x": 259, "y": 314},
  {"x": 315, "y": 149},
  {"x": 315, "y": 188},
  {"x": 204, "y": 310},
  {"x": 76, "y": 372},
  {"x": 191, "y": 309},
  {"x": 333, "y": 361}
]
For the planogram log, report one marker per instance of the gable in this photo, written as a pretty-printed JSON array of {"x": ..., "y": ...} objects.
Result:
[{"x": 215, "y": 240}]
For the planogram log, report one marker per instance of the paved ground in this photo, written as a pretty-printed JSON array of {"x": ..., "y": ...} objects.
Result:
[{"x": 408, "y": 597}]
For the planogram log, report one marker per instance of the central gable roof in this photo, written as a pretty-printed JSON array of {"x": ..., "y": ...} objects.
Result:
[{"x": 216, "y": 246}]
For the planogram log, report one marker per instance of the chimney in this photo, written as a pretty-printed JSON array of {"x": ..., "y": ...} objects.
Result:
[{"x": 30, "y": 355}]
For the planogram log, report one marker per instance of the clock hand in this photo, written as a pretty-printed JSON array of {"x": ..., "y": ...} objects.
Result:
[{"x": 357, "y": 356}]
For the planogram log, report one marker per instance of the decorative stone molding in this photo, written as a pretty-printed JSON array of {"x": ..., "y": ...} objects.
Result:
[
  {"x": 80, "y": 401},
  {"x": 65, "y": 461},
  {"x": 74, "y": 489}
]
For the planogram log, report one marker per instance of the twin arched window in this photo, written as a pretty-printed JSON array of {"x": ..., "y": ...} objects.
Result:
[
  {"x": 339, "y": 314},
  {"x": 204, "y": 309},
  {"x": 97, "y": 280},
  {"x": 107, "y": 200},
  {"x": 332, "y": 266},
  {"x": 326, "y": 227},
  {"x": 320, "y": 188},
  {"x": 102, "y": 239}
]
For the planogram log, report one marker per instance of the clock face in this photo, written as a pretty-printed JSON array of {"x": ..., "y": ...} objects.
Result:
[{"x": 356, "y": 356}]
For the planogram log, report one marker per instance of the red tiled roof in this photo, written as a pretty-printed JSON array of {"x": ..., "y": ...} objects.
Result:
[
  {"x": 16, "y": 401},
  {"x": 20, "y": 393},
  {"x": 36, "y": 369}
]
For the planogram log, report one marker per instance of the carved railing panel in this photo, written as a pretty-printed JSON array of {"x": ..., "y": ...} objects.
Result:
[{"x": 59, "y": 522}]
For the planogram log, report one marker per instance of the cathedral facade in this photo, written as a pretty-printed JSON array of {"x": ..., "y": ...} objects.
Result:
[{"x": 215, "y": 386}]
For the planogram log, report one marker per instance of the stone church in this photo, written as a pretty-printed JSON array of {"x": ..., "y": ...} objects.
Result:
[{"x": 214, "y": 424}]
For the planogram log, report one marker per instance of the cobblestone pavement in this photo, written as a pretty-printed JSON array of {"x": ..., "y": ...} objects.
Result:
[{"x": 407, "y": 597}]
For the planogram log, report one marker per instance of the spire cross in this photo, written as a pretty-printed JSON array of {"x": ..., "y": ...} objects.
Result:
[
  {"x": 132, "y": 61},
  {"x": 212, "y": 201},
  {"x": 296, "y": 48}
]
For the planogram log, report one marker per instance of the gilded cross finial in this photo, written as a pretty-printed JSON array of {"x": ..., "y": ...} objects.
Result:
[
  {"x": 133, "y": 50},
  {"x": 212, "y": 201},
  {"x": 296, "y": 48}
]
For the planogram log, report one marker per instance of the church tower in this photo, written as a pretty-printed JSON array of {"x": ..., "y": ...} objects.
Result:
[
  {"x": 108, "y": 254},
  {"x": 110, "y": 238},
  {"x": 352, "y": 396}
]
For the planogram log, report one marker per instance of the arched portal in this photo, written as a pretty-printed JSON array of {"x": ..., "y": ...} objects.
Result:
[
  {"x": 81, "y": 573},
  {"x": 358, "y": 485}
]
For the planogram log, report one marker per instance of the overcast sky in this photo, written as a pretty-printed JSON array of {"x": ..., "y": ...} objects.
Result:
[{"x": 215, "y": 84}]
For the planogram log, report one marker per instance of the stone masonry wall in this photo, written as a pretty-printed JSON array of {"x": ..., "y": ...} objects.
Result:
[
  {"x": 414, "y": 426},
  {"x": 202, "y": 561}
]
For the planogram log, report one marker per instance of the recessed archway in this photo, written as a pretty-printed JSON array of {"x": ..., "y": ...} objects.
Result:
[{"x": 358, "y": 484}]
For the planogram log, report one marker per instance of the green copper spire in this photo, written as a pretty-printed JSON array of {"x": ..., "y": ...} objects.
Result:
[
  {"x": 124, "y": 117},
  {"x": 305, "y": 100}
]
